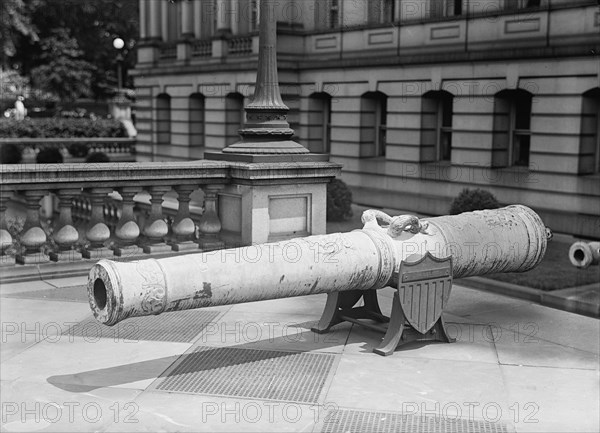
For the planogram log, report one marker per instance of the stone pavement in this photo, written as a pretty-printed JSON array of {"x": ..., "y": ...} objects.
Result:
[{"x": 516, "y": 366}]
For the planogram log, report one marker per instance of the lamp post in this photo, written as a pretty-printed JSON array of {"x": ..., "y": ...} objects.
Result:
[
  {"x": 118, "y": 44},
  {"x": 267, "y": 131}
]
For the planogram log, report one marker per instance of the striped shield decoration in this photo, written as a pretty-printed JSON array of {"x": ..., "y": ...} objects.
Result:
[{"x": 424, "y": 290}]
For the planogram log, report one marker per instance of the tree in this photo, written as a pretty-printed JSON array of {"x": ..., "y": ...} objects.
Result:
[
  {"x": 15, "y": 23},
  {"x": 63, "y": 71},
  {"x": 80, "y": 31}
]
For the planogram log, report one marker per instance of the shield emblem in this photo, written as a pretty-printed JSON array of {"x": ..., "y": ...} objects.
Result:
[{"x": 424, "y": 289}]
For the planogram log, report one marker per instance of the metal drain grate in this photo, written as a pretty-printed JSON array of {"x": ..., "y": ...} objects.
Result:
[
  {"x": 177, "y": 327},
  {"x": 73, "y": 294},
  {"x": 351, "y": 421},
  {"x": 250, "y": 373}
]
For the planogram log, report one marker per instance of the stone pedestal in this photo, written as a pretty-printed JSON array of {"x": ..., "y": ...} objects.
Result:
[{"x": 268, "y": 202}]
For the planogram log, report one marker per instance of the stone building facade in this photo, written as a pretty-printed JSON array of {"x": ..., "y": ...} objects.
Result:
[{"x": 418, "y": 99}]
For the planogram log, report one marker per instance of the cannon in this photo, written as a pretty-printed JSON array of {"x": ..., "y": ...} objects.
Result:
[
  {"x": 418, "y": 257},
  {"x": 584, "y": 254}
]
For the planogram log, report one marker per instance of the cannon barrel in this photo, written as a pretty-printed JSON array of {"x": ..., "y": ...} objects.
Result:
[
  {"x": 584, "y": 254},
  {"x": 511, "y": 239}
]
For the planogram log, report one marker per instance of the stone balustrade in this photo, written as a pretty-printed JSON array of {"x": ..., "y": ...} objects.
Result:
[
  {"x": 202, "y": 48},
  {"x": 168, "y": 51},
  {"x": 75, "y": 149},
  {"x": 93, "y": 210},
  {"x": 239, "y": 46},
  {"x": 83, "y": 212}
]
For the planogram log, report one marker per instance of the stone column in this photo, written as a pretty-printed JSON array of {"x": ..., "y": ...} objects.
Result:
[
  {"x": 97, "y": 232},
  {"x": 156, "y": 229},
  {"x": 5, "y": 237},
  {"x": 143, "y": 18},
  {"x": 155, "y": 31},
  {"x": 198, "y": 17},
  {"x": 65, "y": 234},
  {"x": 164, "y": 19},
  {"x": 33, "y": 237},
  {"x": 183, "y": 227},
  {"x": 210, "y": 224},
  {"x": 184, "y": 44},
  {"x": 127, "y": 231}
]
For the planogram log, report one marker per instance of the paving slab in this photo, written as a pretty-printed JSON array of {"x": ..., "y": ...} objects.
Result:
[
  {"x": 553, "y": 399},
  {"x": 273, "y": 331},
  {"x": 513, "y": 363},
  {"x": 32, "y": 406},
  {"x": 192, "y": 413},
  {"x": 27, "y": 322},
  {"x": 396, "y": 383}
]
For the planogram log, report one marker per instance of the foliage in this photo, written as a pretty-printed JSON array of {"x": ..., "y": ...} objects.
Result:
[
  {"x": 82, "y": 33},
  {"x": 78, "y": 150},
  {"x": 470, "y": 200},
  {"x": 63, "y": 73},
  {"x": 49, "y": 155},
  {"x": 15, "y": 24},
  {"x": 10, "y": 154},
  {"x": 339, "y": 201},
  {"x": 61, "y": 128},
  {"x": 13, "y": 84}
]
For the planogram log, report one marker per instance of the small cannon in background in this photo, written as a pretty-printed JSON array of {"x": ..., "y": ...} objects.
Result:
[
  {"x": 418, "y": 257},
  {"x": 584, "y": 254}
]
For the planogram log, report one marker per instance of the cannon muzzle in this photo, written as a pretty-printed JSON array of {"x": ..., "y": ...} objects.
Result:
[
  {"x": 584, "y": 254},
  {"x": 511, "y": 239}
]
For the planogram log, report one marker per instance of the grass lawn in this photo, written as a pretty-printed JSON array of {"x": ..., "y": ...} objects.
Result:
[{"x": 553, "y": 273}]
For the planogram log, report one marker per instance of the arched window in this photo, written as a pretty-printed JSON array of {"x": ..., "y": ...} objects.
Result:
[
  {"x": 589, "y": 150},
  {"x": 234, "y": 117},
  {"x": 512, "y": 128},
  {"x": 373, "y": 124},
  {"x": 196, "y": 111},
  {"x": 163, "y": 119},
  {"x": 436, "y": 126},
  {"x": 319, "y": 122}
]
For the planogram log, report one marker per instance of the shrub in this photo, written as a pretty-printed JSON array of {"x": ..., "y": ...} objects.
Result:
[
  {"x": 470, "y": 200},
  {"x": 339, "y": 201},
  {"x": 78, "y": 150},
  {"x": 55, "y": 127},
  {"x": 49, "y": 155},
  {"x": 98, "y": 157},
  {"x": 10, "y": 154}
]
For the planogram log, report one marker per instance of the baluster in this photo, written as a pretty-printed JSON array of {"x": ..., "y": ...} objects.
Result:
[
  {"x": 156, "y": 227},
  {"x": 127, "y": 230},
  {"x": 5, "y": 237},
  {"x": 210, "y": 224},
  {"x": 65, "y": 234},
  {"x": 33, "y": 237},
  {"x": 183, "y": 227},
  {"x": 97, "y": 232}
]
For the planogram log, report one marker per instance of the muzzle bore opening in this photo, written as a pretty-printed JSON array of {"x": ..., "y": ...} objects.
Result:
[
  {"x": 579, "y": 255},
  {"x": 100, "y": 295}
]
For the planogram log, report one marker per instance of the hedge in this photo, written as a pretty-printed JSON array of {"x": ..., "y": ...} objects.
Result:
[{"x": 53, "y": 127}]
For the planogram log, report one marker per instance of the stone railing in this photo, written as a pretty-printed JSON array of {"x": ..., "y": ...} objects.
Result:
[
  {"x": 240, "y": 45},
  {"x": 168, "y": 51},
  {"x": 93, "y": 213},
  {"x": 78, "y": 213},
  {"x": 75, "y": 149},
  {"x": 202, "y": 48}
]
